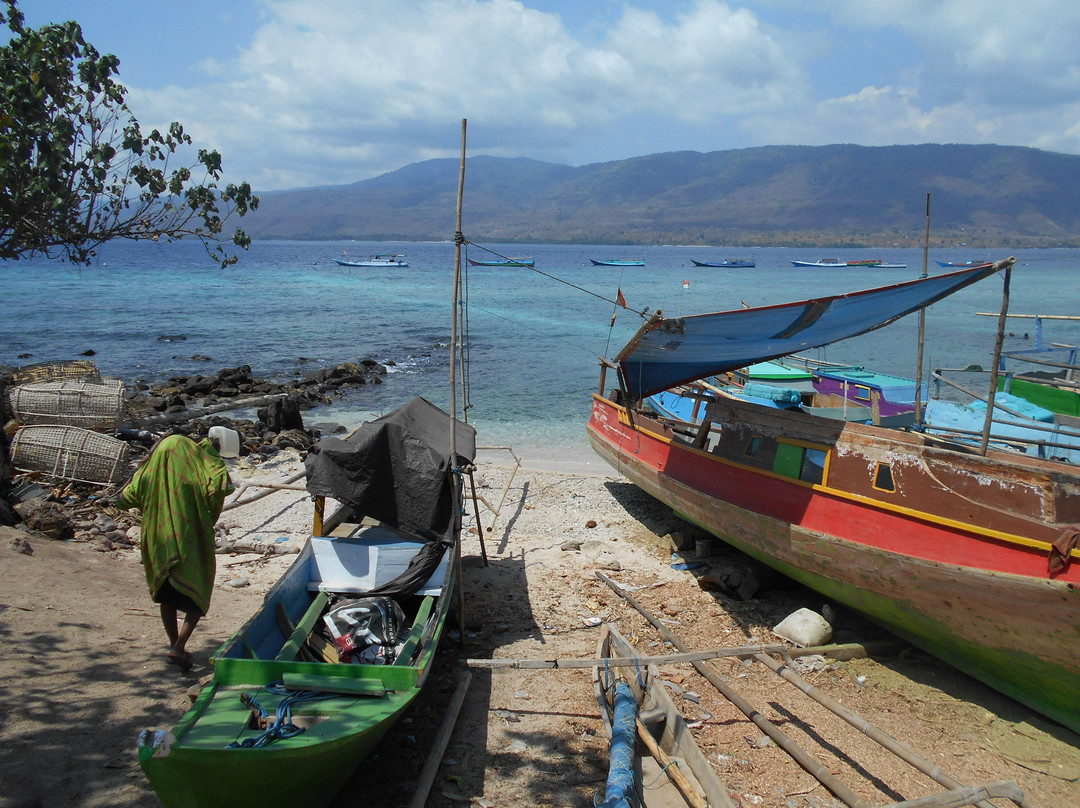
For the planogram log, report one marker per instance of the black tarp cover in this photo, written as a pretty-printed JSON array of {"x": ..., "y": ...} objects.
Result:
[{"x": 396, "y": 469}]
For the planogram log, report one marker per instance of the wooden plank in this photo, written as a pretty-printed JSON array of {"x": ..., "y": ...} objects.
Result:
[
  {"x": 345, "y": 685},
  {"x": 323, "y": 648},
  {"x": 416, "y": 631},
  {"x": 294, "y": 645}
]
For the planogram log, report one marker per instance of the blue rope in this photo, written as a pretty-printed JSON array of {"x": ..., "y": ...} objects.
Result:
[{"x": 282, "y": 726}]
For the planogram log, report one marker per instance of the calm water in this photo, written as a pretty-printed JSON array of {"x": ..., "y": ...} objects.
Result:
[{"x": 534, "y": 338}]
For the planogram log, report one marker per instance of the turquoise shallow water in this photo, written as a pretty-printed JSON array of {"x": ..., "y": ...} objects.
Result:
[{"x": 535, "y": 337}]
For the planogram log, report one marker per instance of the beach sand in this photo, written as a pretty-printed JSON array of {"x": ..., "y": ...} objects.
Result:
[{"x": 83, "y": 663}]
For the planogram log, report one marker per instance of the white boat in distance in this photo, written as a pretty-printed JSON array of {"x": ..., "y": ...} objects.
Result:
[
  {"x": 824, "y": 262},
  {"x": 379, "y": 260}
]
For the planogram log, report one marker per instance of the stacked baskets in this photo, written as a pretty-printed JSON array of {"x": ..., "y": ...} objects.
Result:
[{"x": 60, "y": 406}]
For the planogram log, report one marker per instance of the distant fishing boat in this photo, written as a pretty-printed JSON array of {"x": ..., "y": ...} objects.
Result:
[
  {"x": 727, "y": 262},
  {"x": 822, "y": 262},
  {"x": 626, "y": 262},
  {"x": 509, "y": 262},
  {"x": 887, "y": 265},
  {"x": 962, "y": 264},
  {"x": 378, "y": 260},
  {"x": 865, "y": 262}
]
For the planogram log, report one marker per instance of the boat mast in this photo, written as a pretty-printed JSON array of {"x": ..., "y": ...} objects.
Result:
[
  {"x": 997, "y": 357},
  {"x": 458, "y": 239},
  {"x": 922, "y": 323}
]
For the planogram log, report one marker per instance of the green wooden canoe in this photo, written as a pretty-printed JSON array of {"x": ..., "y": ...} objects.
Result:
[{"x": 278, "y": 665}]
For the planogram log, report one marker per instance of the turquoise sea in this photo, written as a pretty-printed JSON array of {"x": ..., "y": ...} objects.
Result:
[{"x": 534, "y": 335}]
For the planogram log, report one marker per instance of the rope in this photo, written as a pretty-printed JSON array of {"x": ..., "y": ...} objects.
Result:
[
  {"x": 282, "y": 726},
  {"x": 642, "y": 314}
]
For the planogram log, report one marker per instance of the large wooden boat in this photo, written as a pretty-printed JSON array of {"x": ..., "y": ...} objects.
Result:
[
  {"x": 972, "y": 557},
  {"x": 290, "y": 713}
]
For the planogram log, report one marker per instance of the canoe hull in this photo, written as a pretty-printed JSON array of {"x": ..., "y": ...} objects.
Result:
[
  {"x": 1013, "y": 627},
  {"x": 288, "y": 775},
  {"x": 193, "y": 768}
]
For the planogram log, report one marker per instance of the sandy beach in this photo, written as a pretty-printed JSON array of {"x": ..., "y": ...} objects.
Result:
[{"x": 84, "y": 662}]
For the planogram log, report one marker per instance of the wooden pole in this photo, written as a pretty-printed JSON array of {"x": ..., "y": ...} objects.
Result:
[
  {"x": 442, "y": 740},
  {"x": 671, "y": 769},
  {"x": 841, "y": 651},
  {"x": 985, "y": 442},
  {"x": 922, "y": 322}
]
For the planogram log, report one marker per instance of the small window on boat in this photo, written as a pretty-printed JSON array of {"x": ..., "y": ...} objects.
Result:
[
  {"x": 753, "y": 446},
  {"x": 883, "y": 479},
  {"x": 800, "y": 462},
  {"x": 862, "y": 393},
  {"x": 813, "y": 466}
]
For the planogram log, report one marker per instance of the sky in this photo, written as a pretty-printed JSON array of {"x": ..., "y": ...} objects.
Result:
[{"x": 301, "y": 93}]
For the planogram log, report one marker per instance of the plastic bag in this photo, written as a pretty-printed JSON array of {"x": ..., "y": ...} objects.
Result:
[{"x": 366, "y": 629}]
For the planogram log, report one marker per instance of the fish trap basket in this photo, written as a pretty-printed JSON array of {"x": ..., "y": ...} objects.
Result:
[
  {"x": 89, "y": 404},
  {"x": 70, "y": 453},
  {"x": 53, "y": 371}
]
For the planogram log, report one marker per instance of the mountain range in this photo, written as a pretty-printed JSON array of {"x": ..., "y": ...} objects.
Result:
[{"x": 828, "y": 196}]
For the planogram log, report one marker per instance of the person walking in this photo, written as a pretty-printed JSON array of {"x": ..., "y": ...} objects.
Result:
[{"x": 180, "y": 490}]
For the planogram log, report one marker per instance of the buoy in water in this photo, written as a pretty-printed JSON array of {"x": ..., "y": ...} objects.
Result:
[{"x": 686, "y": 284}]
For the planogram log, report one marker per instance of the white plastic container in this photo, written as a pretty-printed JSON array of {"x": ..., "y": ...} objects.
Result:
[{"x": 228, "y": 440}]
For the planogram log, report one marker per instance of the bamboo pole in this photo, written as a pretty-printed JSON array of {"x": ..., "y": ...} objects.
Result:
[
  {"x": 820, "y": 772},
  {"x": 901, "y": 750}
]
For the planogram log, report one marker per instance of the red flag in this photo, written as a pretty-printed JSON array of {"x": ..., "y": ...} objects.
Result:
[{"x": 619, "y": 299}]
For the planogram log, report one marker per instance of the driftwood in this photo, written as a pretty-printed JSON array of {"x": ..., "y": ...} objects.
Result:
[
  {"x": 199, "y": 412},
  {"x": 253, "y": 546},
  {"x": 268, "y": 489}
]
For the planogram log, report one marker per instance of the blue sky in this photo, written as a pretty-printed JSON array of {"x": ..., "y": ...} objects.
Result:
[{"x": 297, "y": 93}]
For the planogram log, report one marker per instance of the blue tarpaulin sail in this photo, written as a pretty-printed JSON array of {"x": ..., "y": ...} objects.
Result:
[{"x": 670, "y": 351}]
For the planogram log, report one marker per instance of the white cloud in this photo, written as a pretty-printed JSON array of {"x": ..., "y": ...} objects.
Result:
[
  {"x": 376, "y": 84},
  {"x": 342, "y": 90}
]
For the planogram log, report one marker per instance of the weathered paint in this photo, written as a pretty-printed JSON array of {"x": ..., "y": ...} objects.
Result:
[{"x": 965, "y": 590}]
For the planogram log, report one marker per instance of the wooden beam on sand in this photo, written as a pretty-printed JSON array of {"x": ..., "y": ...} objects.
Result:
[
  {"x": 442, "y": 740},
  {"x": 835, "y": 651}
]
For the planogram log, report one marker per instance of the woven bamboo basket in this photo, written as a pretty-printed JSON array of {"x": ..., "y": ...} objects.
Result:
[
  {"x": 89, "y": 404},
  {"x": 53, "y": 371},
  {"x": 70, "y": 453}
]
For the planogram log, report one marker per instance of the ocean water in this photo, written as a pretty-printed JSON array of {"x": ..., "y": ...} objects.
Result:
[{"x": 534, "y": 336}]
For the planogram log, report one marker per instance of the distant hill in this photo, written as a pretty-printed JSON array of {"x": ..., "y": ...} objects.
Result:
[{"x": 828, "y": 196}]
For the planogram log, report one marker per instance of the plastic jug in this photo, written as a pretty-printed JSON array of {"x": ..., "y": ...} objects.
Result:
[{"x": 228, "y": 440}]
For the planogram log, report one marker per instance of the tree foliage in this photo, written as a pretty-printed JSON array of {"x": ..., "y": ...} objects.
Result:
[{"x": 77, "y": 171}]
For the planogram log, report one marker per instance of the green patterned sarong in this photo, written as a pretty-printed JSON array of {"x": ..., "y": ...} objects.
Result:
[{"x": 180, "y": 490}]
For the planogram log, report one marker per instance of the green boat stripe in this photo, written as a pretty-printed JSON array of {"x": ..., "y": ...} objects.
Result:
[
  {"x": 300, "y": 634},
  {"x": 416, "y": 631},
  {"x": 318, "y": 683}
]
